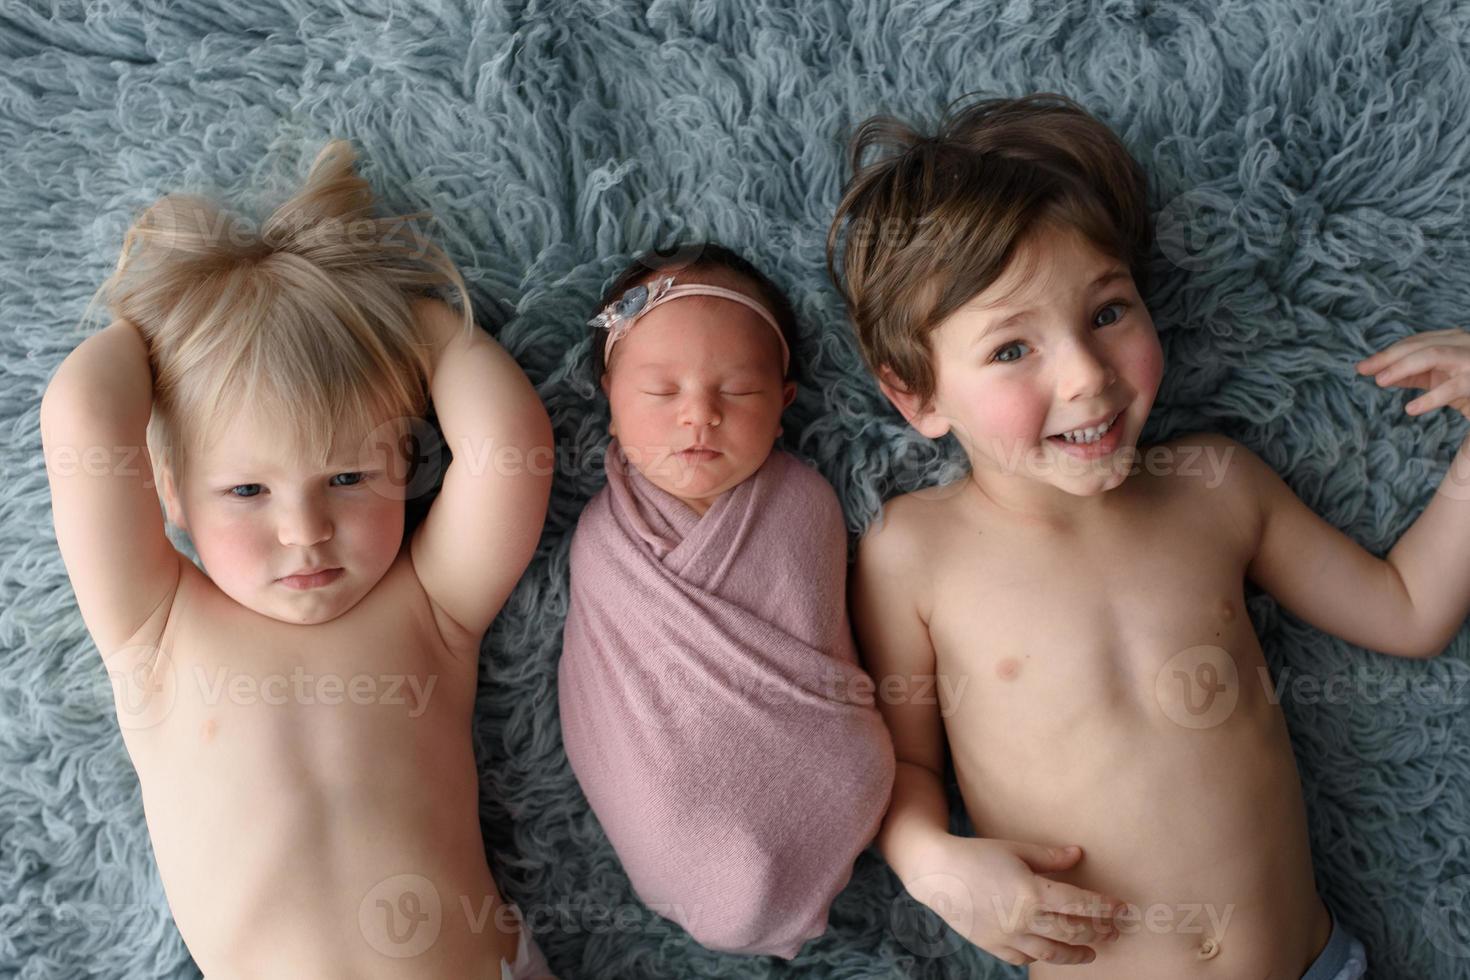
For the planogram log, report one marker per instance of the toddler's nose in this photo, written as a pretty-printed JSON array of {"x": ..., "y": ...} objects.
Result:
[{"x": 305, "y": 527}]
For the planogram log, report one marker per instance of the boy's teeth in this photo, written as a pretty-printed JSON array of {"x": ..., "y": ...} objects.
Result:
[{"x": 1090, "y": 434}]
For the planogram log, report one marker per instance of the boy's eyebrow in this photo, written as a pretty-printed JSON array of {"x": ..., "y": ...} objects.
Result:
[{"x": 1110, "y": 275}]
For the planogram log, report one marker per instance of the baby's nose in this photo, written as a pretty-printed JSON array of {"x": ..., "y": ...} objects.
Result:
[{"x": 700, "y": 411}]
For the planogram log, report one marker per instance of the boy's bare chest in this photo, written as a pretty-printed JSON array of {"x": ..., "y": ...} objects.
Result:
[{"x": 1147, "y": 616}]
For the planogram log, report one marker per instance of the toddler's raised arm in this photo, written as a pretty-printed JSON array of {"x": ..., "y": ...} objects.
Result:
[
  {"x": 482, "y": 529},
  {"x": 109, "y": 528}
]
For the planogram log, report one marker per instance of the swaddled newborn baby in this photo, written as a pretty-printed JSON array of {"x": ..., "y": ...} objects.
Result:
[{"x": 711, "y": 701}]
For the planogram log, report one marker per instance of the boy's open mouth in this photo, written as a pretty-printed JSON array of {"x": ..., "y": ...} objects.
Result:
[{"x": 1087, "y": 435}]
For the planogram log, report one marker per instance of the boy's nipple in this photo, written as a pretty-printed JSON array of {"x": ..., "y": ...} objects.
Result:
[{"x": 1008, "y": 668}]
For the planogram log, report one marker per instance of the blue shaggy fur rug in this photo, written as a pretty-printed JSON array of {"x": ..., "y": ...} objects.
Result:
[{"x": 1309, "y": 165}]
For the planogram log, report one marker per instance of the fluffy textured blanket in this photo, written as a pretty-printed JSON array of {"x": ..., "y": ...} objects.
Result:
[
  {"x": 712, "y": 705},
  {"x": 1310, "y": 164}
]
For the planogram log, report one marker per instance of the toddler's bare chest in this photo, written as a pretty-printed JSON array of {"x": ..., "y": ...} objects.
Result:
[{"x": 352, "y": 695}]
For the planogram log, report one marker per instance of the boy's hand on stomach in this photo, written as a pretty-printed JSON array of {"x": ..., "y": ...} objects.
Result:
[{"x": 995, "y": 894}]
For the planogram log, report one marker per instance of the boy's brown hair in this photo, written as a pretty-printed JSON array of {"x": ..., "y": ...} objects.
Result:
[{"x": 935, "y": 220}]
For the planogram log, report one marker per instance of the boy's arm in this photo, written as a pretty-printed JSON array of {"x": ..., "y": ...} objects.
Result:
[
  {"x": 105, "y": 508},
  {"x": 1412, "y": 603},
  {"x": 895, "y": 644},
  {"x": 967, "y": 881},
  {"x": 482, "y": 529}
]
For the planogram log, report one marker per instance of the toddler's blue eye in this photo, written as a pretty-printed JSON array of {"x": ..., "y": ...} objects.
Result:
[
  {"x": 245, "y": 486},
  {"x": 1120, "y": 307},
  {"x": 359, "y": 477},
  {"x": 1001, "y": 353}
]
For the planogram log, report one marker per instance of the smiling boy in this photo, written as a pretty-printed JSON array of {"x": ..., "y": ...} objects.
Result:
[{"x": 1092, "y": 594}]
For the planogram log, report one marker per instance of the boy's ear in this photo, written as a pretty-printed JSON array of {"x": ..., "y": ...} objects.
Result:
[
  {"x": 788, "y": 394},
  {"x": 915, "y": 411}
]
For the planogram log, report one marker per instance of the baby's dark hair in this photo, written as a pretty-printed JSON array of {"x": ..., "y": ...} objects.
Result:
[
  {"x": 693, "y": 262},
  {"x": 935, "y": 220}
]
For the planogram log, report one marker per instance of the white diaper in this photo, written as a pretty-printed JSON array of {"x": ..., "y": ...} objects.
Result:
[{"x": 529, "y": 964}]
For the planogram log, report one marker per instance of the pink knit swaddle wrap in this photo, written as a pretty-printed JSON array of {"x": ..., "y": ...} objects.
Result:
[{"x": 712, "y": 705}]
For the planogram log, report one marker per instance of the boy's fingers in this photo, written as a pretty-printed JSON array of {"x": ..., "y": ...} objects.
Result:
[
  {"x": 1045, "y": 950},
  {"x": 1014, "y": 956},
  {"x": 1058, "y": 896},
  {"x": 1455, "y": 388},
  {"x": 1415, "y": 362},
  {"x": 1073, "y": 929},
  {"x": 1376, "y": 362}
]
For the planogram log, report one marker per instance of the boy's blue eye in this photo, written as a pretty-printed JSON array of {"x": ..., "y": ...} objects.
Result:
[
  {"x": 1012, "y": 349},
  {"x": 358, "y": 478},
  {"x": 244, "y": 486},
  {"x": 1120, "y": 307},
  {"x": 1104, "y": 318}
]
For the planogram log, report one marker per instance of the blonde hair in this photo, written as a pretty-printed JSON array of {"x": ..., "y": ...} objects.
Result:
[{"x": 306, "y": 318}]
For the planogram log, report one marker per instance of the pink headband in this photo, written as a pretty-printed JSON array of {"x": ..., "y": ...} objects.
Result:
[{"x": 618, "y": 318}]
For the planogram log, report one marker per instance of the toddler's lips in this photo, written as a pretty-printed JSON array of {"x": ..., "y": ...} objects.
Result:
[
  {"x": 699, "y": 455},
  {"x": 316, "y": 581}
]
